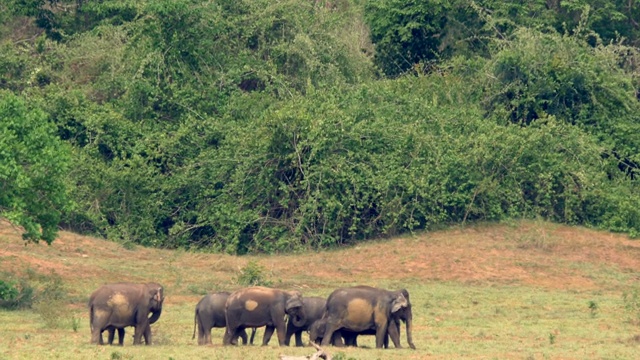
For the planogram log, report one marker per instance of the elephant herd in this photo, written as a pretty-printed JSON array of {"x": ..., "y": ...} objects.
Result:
[{"x": 336, "y": 320}]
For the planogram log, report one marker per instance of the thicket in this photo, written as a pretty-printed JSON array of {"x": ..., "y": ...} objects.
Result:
[{"x": 245, "y": 126}]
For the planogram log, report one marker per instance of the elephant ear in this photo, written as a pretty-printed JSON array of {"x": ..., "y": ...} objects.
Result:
[
  {"x": 156, "y": 294},
  {"x": 398, "y": 302}
]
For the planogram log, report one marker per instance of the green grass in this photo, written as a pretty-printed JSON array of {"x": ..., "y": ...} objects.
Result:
[
  {"x": 452, "y": 320},
  {"x": 486, "y": 317}
]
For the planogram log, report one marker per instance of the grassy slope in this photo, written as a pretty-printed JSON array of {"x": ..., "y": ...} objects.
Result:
[{"x": 488, "y": 291}]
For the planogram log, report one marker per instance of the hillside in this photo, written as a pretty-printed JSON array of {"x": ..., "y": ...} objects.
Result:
[{"x": 505, "y": 291}]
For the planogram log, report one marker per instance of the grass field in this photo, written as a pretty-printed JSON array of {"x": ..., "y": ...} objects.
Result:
[{"x": 527, "y": 290}]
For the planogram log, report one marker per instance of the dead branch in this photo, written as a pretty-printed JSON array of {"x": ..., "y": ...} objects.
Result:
[{"x": 320, "y": 354}]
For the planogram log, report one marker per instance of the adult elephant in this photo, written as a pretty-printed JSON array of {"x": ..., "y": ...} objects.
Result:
[
  {"x": 261, "y": 306},
  {"x": 313, "y": 308},
  {"x": 116, "y": 306},
  {"x": 210, "y": 313},
  {"x": 363, "y": 308}
]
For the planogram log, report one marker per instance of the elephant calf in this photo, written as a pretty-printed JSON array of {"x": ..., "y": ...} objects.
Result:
[
  {"x": 313, "y": 308},
  {"x": 210, "y": 313},
  {"x": 116, "y": 306}
]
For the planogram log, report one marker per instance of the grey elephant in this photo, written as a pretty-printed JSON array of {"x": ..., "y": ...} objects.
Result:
[
  {"x": 116, "y": 306},
  {"x": 364, "y": 308},
  {"x": 261, "y": 306},
  {"x": 210, "y": 313},
  {"x": 343, "y": 336},
  {"x": 313, "y": 308}
]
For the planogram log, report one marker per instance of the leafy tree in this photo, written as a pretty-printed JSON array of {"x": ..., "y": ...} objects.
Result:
[
  {"x": 406, "y": 32},
  {"x": 33, "y": 169},
  {"x": 579, "y": 84}
]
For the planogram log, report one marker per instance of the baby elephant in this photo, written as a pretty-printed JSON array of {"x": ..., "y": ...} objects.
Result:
[{"x": 210, "y": 313}]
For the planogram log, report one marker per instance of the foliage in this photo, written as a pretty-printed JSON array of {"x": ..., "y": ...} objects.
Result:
[
  {"x": 252, "y": 274},
  {"x": 405, "y": 33},
  {"x": 258, "y": 126},
  {"x": 33, "y": 169},
  {"x": 49, "y": 303},
  {"x": 16, "y": 294},
  {"x": 580, "y": 85},
  {"x": 8, "y": 291}
]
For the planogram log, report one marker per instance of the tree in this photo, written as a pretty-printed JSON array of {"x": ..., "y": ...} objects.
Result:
[{"x": 33, "y": 169}]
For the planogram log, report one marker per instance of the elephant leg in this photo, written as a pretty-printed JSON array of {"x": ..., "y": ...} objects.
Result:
[
  {"x": 243, "y": 335},
  {"x": 290, "y": 331},
  {"x": 268, "y": 332},
  {"x": 205, "y": 338},
  {"x": 202, "y": 332},
  {"x": 147, "y": 335},
  {"x": 138, "y": 333},
  {"x": 328, "y": 334},
  {"x": 230, "y": 335},
  {"x": 299, "y": 339},
  {"x": 281, "y": 331},
  {"x": 111, "y": 334},
  {"x": 96, "y": 336},
  {"x": 121, "y": 336},
  {"x": 393, "y": 331},
  {"x": 381, "y": 332}
]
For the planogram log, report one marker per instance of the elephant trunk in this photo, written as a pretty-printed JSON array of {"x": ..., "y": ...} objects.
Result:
[
  {"x": 298, "y": 319},
  {"x": 409, "y": 325},
  {"x": 155, "y": 315}
]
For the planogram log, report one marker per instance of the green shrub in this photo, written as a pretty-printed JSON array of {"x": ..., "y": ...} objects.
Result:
[
  {"x": 252, "y": 274},
  {"x": 51, "y": 300},
  {"x": 16, "y": 296}
]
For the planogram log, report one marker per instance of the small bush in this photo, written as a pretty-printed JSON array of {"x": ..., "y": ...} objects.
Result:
[
  {"x": 252, "y": 275},
  {"x": 593, "y": 307},
  {"x": 50, "y": 302},
  {"x": 16, "y": 296},
  {"x": 8, "y": 291}
]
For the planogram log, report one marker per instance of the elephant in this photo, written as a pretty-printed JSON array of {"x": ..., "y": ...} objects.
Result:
[
  {"x": 364, "y": 308},
  {"x": 262, "y": 306},
  {"x": 313, "y": 308},
  {"x": 342, "y": 336},
  {"x": 210, "y": 313},
  {"x": 116, "y": 306}
]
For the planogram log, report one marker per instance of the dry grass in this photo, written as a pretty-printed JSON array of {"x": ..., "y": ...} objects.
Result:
[{"x": 525, "y": 290}]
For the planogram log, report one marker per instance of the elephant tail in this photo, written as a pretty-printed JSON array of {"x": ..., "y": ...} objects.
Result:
[
  {"x": 195, "y": 321},
  {"x": 91, "y": 317}
]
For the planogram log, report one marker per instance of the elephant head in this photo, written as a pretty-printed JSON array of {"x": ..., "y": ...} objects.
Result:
[
  {"x": 155, "y": 295},
  {"x": 404, "y": 313},
  {"x": 294, "y": 308},
  {"x": 398, "y": 302}
]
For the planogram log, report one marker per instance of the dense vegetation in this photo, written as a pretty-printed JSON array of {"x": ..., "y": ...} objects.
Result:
[{"x": 258, "y": 125}]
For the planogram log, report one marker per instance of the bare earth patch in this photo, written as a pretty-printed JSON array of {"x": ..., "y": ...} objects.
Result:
[{"x": 531, "y": 253}]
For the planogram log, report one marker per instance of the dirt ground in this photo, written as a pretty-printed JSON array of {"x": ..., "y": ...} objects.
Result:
[{"x": 533, "y": 253}]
